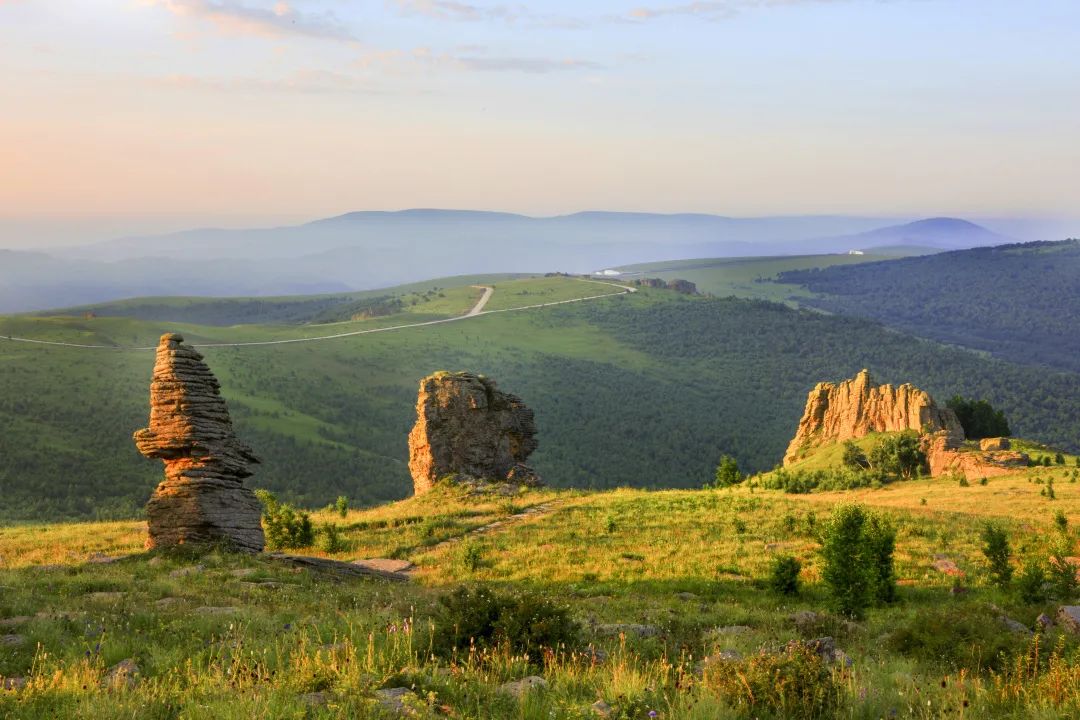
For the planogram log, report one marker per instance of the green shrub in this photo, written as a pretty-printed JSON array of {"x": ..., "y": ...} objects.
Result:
[
  {"x": 472, "y": 556},
  {"x": 857, "y": 548},
  {"x": 961, "y": 637},
  {"x": 1061, "y": 521},
  {"x": 1061, "y": 573},
  {"x": 854, "y": 458},
  {"x": 880, "y": 542},
  {"x": 727, "y": 472},
  {"x": 998, "y": 554},
  {"x": 342, "y": 505},
  {"x": 1031, "y": 583},
  {"x": 784, "y": 575},
  {"x": 284, "y": 525},
  {"x": 331, "y": 540},
  {"x": 898, "y": 457},
  {"x": 794, "y": 683},
  {"x": 487, "y": 618}
]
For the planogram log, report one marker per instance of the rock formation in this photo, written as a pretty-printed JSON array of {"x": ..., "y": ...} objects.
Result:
[
  {"x": 202, "y": 498},
  {"x": 465, "y": 426},
  {"x": 944, "y": 456},
  {"x": 858, "y": 407}
]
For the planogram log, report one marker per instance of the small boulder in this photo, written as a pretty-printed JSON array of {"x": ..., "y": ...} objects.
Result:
[
  {"x": 521, "y": 688},
  {"x": 13, "y": 621},
  {"x": 947, "y": 566},
  {"x": 106, "y": 597},
  {"x": 125, "y": 672},
  {"x": 12, "y": 640},
  {"x": 187, "y": 571},
  {"x": 394, "y": 699},
  {"x": 210, "y": 610},
  {"x": 1068, "y": 616},
  {"x": 601, "y": 709},
  {"x": 994, "y": 444},
  {"x": 315, "y": 699},
  {"x": 636, "y": 629},
  {"x": 1044, "y": 621},
  {"x": 12, "y": 683},
  {"x": 1015, "y": 626}
]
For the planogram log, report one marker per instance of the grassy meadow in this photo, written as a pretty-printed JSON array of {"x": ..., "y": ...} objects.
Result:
[{"x": 663, "y": 585}]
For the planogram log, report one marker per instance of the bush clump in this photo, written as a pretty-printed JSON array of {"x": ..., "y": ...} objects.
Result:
[
  {"x": 794, "y": 683},
  {"x": 970, "y": 638},
  {"x": 998, "y": 553},
  {"x": 784, "y": 575},
  {"x": 857, "y": 547},
  {"x": 284, "y": 525},
  {"x": 486, "y": 618}
]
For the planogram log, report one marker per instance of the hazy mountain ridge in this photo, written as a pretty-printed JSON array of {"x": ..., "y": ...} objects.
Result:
[{"x": 372, "y": 249}]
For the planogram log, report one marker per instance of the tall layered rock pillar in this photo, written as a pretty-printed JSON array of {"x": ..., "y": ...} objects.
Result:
[
  {"x": 466, "y": 426},
  {"x": 202, "y": 498}
]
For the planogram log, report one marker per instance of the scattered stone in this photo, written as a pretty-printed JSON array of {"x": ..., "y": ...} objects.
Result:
[
  {"x": 1015, "y": 625},
  {"x": 641, "y": 631},
  {"x": 731, "y": 630},
  {"x": 857, "y": 407},
  {"x": 337, "y": 567},
  {"x": 103, "y": 559},
  {"x": 14, "y": 621},
  {"x": 186, "y": 571},
  {"x": 12, "y": 683},
  {"x": 125, "y": 672},
  {"x": 687, "y": 596},
  {"x": 243, "y": 572},
  {"x": 167, "y": 602},
  {"x": 948, "y": 567},
  {"x": 1068, "y": 616},
  {"x": 521, "y": 688},
  {"x": 155, "y": 561},
  {"x": 12, "y": 640},
  {"x": 210, "y": 610},
  {"x": 595, "y": 655},
  {"x": 393, "y": 699},
  {"x": 1044, "y": 621},
  {"x": 106, "y": 596},
  {"x": 202, "y": 498},
  {"x": 825, "y": 648},
  {"x": 601, "y": 709},
  {"x": 991, "y": 444},
  {"x": 315, "y": 699},
  {"x": 265, "y": 585},
  {"x": 386, "y": 565},
  {"x": 465, "y": 426}
]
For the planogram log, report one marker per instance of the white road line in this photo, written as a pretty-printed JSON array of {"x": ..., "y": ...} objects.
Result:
[{"x": 476, "y": 311}]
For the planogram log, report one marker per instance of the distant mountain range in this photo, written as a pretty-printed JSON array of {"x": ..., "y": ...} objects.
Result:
[{"x": 364, "y": 250}]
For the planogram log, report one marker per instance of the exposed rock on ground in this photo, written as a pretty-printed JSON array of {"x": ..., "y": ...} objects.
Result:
[
  {"x": 466, "y": 426},
  {"x": 202, "y": 498},
  {"x": 854, "y": 408},
  {"x": 521, "y": 688},
  {"x": 1068, "y": 616},
  {"x": 944, "y": 456}
]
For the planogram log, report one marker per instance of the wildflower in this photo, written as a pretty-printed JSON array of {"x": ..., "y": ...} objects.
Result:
[{"x": 653, "y": 713}]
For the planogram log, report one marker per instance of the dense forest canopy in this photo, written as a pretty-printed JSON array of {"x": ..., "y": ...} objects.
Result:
[
  {"x": 647, "y": 390},
  {"x": 1019, "y": 302}
]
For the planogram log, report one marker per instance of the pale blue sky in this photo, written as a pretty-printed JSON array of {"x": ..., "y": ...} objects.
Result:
[{"x": 210, "y": 109}]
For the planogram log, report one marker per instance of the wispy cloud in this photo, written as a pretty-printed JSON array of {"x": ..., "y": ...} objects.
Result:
[
  {"x": 713, "y": 10},
  {"x": 455, "y": 11},
  {"x": 273, "y": 20},
  {"x": 307, "y": 82},
  {"x": 468, "y": 59},
  {"x": 532, "y": 66}
]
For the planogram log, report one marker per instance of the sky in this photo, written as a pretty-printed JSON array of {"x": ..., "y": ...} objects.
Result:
[{"x": 127, "y": 116}]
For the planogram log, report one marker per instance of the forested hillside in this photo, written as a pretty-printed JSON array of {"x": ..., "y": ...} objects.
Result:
[
  {"x": 1019, "y": 302},
  {"x": 645, "y": 390}
]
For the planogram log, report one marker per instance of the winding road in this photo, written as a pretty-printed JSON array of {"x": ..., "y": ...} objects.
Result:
[{"x": 476, "y": 311}]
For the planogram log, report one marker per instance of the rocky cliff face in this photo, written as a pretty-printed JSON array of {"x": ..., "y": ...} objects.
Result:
[
  {"x": 466, "y": 426},
  {"x": 853, "y": 408},
  {"x": 202, "y": 498}
]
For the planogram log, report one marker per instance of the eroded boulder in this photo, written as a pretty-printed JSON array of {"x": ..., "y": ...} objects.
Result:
[
  {"x": 466, "y": 426},
  {"x": 202, "y": 498}
]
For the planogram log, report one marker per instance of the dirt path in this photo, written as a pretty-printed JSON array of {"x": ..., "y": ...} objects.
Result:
[
  {"x": 476, "y": 311},
  {"x": 529, "y": 513}
]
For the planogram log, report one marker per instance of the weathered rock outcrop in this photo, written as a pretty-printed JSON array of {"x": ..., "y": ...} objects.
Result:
[
  {"x": 466, "y": 426},
  {"x": 944, "y": 456},
  {"x": 202, "y": 498},
  {"x": 857, "y": 407}
]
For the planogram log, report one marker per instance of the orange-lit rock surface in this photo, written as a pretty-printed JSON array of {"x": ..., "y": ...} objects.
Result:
[
  {"x": 202, "y": 498},
  {"x": 466, "y": 426}
]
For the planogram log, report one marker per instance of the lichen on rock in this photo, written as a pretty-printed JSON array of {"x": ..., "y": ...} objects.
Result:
[
  {"x": 202, "y": 498},
  {"x": 466, "y": 426}
]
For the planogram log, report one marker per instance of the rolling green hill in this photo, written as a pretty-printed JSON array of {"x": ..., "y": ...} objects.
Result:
[
  {"x": 643, "y": 390},
  {"x": 1019, "y": 302},
  {"x": 755, "y": 277}
]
